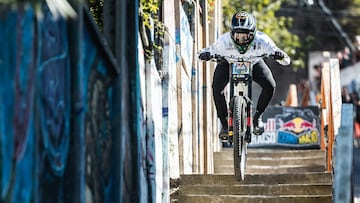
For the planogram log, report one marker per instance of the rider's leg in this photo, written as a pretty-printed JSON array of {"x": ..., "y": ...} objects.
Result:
[
  {"x": 220, "y": 80},
  {"x": 263, "y": 76}
]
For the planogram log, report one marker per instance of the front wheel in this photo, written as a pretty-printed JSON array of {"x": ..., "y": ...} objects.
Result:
[{"x": 239, "y": 129}]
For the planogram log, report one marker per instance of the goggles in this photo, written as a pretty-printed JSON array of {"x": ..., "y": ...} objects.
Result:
[{"x": 241, "y": 38}]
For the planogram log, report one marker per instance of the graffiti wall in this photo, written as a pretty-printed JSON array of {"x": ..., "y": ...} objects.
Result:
[
  {"x": 53, "y": 106},
  {"x": 17, "y": 93},
  {"x": 56, "y": 104},
  {"x": 293, "y": 127},
  {"x": 99, "y": 139}
]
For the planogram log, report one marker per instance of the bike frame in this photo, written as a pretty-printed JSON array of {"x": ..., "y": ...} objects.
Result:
[{"x": 241, "y": 85}]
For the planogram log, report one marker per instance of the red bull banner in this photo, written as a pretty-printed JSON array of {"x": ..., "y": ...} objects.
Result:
[{"x": 289, "y": 127}]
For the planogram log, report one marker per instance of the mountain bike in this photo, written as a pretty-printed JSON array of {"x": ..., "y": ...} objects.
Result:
[{"x": 240, "y": 108}]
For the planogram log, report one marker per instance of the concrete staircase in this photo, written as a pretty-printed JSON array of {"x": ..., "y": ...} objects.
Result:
[{"x": 272, "y": 175}]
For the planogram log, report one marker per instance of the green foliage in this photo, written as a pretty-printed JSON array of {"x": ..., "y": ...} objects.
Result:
[
  {"x": 148, "y": 12},
  {"x": 149, "y": 16},
  {"x": 269, "y": 23},
  {"x": 96, "y": 9}
]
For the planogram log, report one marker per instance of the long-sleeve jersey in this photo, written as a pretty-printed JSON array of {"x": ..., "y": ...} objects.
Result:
[{"x": 261, "y": 44}]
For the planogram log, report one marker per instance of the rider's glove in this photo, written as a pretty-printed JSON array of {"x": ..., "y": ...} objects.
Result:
[
  {"x": 277, "y": 55},
  {"x": 205, "y": 56}
]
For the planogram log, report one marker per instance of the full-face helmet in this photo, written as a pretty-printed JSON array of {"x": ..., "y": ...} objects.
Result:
[{"x": 243, "y": 29}]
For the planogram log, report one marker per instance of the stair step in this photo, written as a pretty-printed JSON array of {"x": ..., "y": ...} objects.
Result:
[
  {"x": 255, "y": 189},
  {"x": 266, "y": 161},
  {"x": 272, "y": 161},
  {"x": 269, "y": 179},
  {"x": 254, "y": 199},
  {"x": 227, "y": 153},
  {"x": 250, "y": 169}
]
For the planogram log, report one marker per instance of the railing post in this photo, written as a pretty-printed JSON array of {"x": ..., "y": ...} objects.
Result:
[{"x": 343, "y": 158}]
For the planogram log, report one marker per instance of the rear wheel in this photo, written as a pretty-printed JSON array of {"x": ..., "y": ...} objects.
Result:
[{"x": 239, "y": 144}]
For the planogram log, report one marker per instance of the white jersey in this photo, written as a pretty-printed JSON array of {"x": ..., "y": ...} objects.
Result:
[{"x": 261, "y": 44}]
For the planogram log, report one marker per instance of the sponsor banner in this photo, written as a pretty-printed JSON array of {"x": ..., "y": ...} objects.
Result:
[{"x": 290, "y": 127}]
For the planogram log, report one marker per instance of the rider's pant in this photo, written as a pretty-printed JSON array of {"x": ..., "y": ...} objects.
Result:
[{"x": 261, "y": 75}]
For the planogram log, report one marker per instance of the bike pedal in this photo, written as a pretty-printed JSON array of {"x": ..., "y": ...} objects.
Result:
[
  {"x": 258, "y": 132},
  {"x": 248, "y": 138},
  {"x": 224, "y": 138}
]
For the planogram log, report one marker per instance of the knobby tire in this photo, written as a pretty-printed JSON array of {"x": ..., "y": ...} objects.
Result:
[{"x": 239, "y": 143}]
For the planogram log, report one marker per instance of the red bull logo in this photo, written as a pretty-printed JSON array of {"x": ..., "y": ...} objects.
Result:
[
  {"x": 300, "y": 131},
  {"x": 298, "y": 125}
]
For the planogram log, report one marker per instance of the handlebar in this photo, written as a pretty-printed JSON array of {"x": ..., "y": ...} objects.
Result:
[{"x": 231, "y": 58}]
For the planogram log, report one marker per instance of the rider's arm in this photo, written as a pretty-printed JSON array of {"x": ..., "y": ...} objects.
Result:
[
  {"x": 218, "y": 47},
  {"x": 286, "y": 60},
  {"x": 271, "y": 48}
]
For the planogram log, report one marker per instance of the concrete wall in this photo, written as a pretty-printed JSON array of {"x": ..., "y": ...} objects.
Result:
[{"x": 195, "y": 112}]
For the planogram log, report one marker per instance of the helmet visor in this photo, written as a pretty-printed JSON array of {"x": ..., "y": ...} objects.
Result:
[{"x": 241, "y": 38}]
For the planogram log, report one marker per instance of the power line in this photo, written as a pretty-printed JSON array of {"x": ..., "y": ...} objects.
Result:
[{"x": 336, "y": 25}]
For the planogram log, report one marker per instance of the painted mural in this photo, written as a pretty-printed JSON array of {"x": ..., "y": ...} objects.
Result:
[
  {"x": 42, "y": 157},
  {"x": 17, "y": 87},
  {"x": 290, "y": 127},
  {"x": 53, "y": 108}
]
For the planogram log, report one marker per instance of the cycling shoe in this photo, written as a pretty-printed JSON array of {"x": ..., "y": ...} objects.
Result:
[
  {"x": 223, "y": 133},
  {"x": 258, "y": 127}
]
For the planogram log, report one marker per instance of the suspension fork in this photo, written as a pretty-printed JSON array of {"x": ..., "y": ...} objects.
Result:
[
  {"x": 249, "y": 110},
  {"x": 230, "y": 113}
]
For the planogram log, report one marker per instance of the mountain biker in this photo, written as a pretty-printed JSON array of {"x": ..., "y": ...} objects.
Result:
[{"x": 243, "y": 40}]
